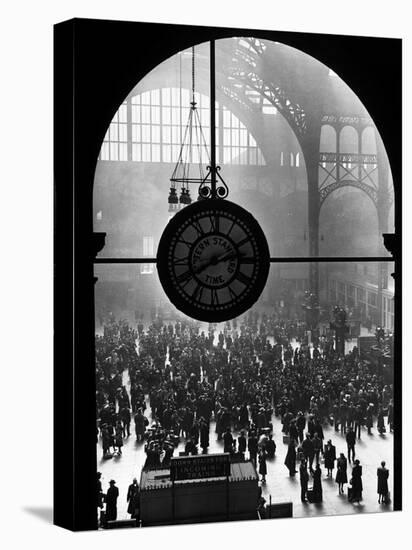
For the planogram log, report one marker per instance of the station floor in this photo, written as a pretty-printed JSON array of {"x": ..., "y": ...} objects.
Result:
[{"x": 370, "y": 450}]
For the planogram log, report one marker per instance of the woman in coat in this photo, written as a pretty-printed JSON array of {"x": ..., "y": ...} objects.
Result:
[
  {"x": 290, "y": 460},
  {"x": 330, "y": 457},
  {"x": 262, "y": 465},
  {"x": 383, "y": 474},
  {"x": 341, "y": 474},
  {"x": 356, "y": 481}
]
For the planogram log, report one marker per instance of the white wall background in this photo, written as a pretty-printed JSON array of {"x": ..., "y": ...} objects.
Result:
[{"x": 26, "y": 271}]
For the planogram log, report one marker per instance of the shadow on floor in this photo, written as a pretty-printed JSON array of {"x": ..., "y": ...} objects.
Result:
[{"x": 43, "y": 513}]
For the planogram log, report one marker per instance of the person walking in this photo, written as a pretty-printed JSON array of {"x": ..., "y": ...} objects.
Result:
[
  {"x": 252, "y": 445},
  {"x": 241, "y": 443},
  {"x": 290, "y": 459},
  {"x": 317, "y": 446},
  {"x": 228, "y": 441},
  {"x": 300, "y": 424},
  {"x": 357, "y": 418},
  {"x": 330, "y": 457},
  {"x": 350, "y": 441},
  {"x": 304, "y": 478},
  {"x": 111, "y": 501},
  {"x": 341, "y": 474},
  {"x": 133, "y": 498},
  {"x": 381, "y": 422},
  {"x": 356, "y": 481},
  {"x": 309, "y": 451},
  {"x": 262, "y": 464},
  {"x": 317, "y": 485},
  {"x": 383, "y": 491}
]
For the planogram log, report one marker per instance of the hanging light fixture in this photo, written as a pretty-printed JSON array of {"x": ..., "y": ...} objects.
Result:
[{"x": 193, "y": 156}]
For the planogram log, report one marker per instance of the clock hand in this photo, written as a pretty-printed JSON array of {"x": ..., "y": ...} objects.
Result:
[
  {"x": 215, "y": 260},
  {"x": 204, "y": 265},
  {"x": 230, "y": 256}
]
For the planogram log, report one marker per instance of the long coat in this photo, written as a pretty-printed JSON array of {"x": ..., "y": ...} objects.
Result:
[
  {"x": 341, "y": 474},
  {"x": 262, "y": 464},
  {"x": 383, "y": 474},
  {"x": 357, "y": 486},
  {"x": 111, "y": 503},
  {"x": 330, "y": 456},
  {"x": 317, "y": 485},
  {"x": 133, "y": 499},
  {"x": 290, "y": 459}
]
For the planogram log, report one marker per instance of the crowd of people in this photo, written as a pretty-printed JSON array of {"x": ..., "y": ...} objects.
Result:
[{"x": 239, "y": 379}]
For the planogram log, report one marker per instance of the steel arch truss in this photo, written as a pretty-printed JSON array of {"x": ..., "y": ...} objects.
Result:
[
  {"x": 252, "y": 89},
  {"x": 337, "y": 170}
]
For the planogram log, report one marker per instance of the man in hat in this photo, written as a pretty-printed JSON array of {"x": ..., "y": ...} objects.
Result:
[{"x": 111, "y": 501}]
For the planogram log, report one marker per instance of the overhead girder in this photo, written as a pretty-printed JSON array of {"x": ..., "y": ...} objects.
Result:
[{"x": 243, "y": 69}]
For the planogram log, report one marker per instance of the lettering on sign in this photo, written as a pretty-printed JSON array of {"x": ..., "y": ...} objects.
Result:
[{"x": 199, "y": 467}]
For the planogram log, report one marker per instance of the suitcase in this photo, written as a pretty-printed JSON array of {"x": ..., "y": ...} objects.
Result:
[
  {"x": 286, "y": 439},
  {"x": 350, "y": 493}
]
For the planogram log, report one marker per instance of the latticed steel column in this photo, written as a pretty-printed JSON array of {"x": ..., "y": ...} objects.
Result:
[
  {"x": 383, "y": 207},
  {"x": 310, "y": 148}
]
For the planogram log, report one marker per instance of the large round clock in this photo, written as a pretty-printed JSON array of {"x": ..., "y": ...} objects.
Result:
[{"x": 213, "y": 260}]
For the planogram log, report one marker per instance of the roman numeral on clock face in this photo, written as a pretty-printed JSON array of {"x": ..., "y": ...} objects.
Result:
[
  {"x": 197, "y": 227},
  {"x": 232, "y": 293},
  {"x": 184, "y": 277},
  {"x": 197, "y": 293},
  {"x": 183, "y": 241},
  {"x": 214, "y": 297},
  {"x": 180, "y": 261},
  {"x": 242, "y": 242},
  {"x": 243, "y": 278},
  {"x": 215, "y": 223}
]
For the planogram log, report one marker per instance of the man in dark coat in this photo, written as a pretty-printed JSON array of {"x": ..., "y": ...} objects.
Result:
[
  {"x": 309, "y": 451},
  {"x": 351, "y": 440},
  {"x": 330, "y": 457},
  {"x": 126, "y": 419},
  {"x": 204, "y": 435},
  {"x": 304, "y": 478},
  {"x": 357, "y": 419},
  {"x": 241, "y": 442},
  {"x": 228, "y": 441},
  {"x": 357, "y": 486},
  {"x": 300, "y": 424},
  {"x": 111, "y": 501},
  {"x": 270, "y": 447},
  {"x": 317, "y": 485},
  {"x": 133, "y": 498},
  {"x": 290, "y": 459},
  {"x": 140, "y": 422},
  {"x": 252, "y": 445}
]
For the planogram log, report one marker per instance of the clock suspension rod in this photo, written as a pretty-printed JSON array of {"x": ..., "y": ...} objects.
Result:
[{"x": 212, "y": 120}]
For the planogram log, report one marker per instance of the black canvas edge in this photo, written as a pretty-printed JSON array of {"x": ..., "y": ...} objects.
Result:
[{"x": 86, "y": 61}]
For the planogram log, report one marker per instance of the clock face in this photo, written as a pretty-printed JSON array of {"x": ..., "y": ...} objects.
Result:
[{"x": 213, "y": 260}]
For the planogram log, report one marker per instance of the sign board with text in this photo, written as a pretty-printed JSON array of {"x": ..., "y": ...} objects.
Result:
[{"x": 199, "y": 467}]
